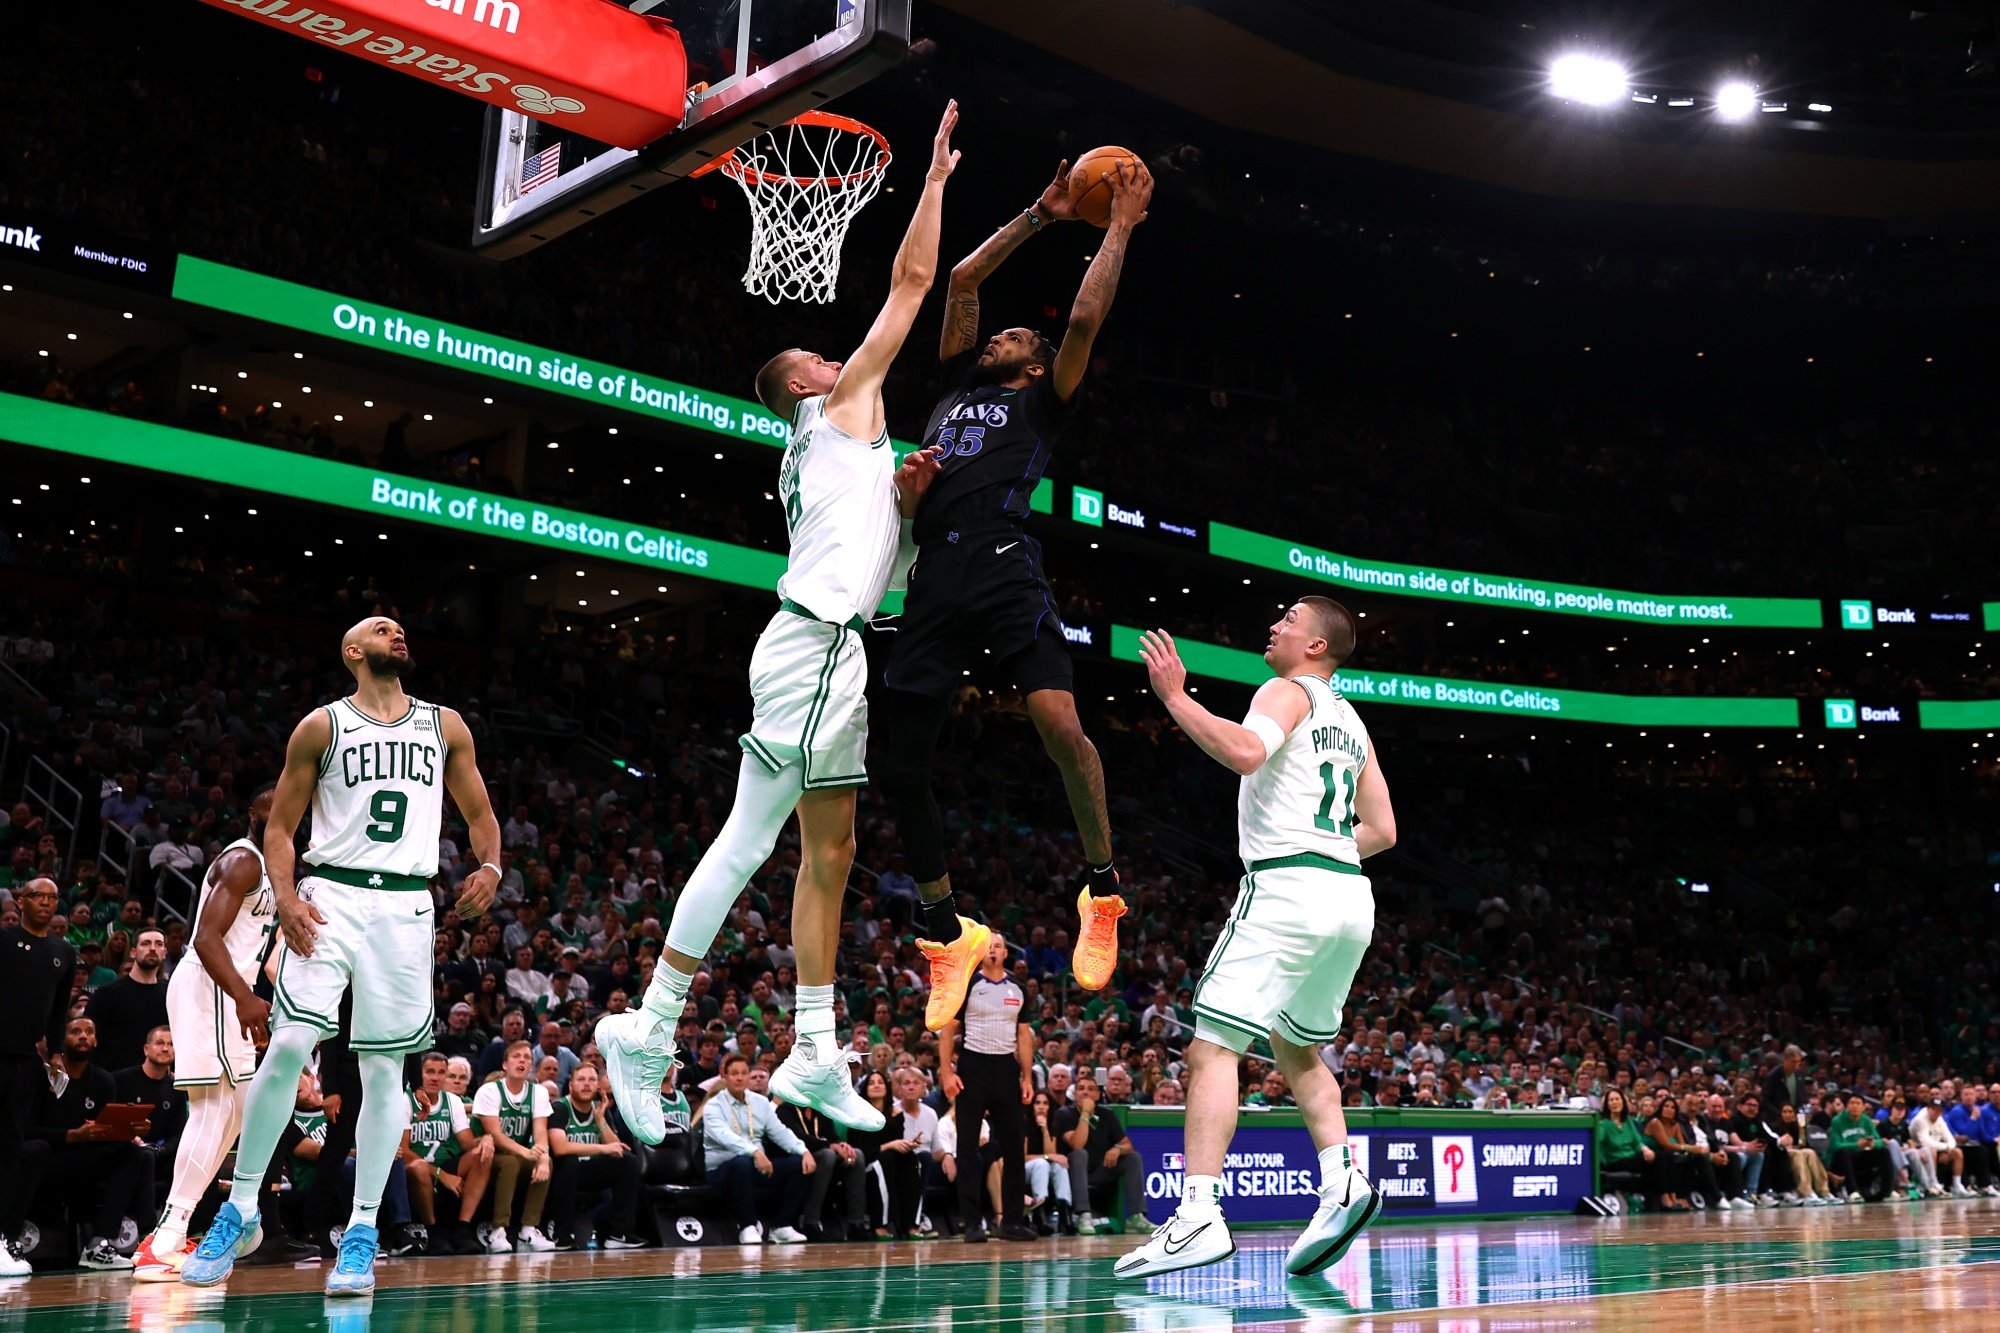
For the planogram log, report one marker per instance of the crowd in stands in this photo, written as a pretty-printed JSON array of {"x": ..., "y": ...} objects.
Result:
[{"x": 1533, "y": 951}]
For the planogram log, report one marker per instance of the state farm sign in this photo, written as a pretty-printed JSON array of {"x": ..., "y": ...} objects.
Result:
[{"x": 586, "y": 65}]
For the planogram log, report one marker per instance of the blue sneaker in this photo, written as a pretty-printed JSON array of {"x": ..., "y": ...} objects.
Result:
[
  {"x": 228, "y": 1236},
  {"x": 354, "y": 1272}
]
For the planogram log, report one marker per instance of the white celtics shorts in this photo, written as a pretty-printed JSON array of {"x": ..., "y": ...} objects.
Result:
[
  {"x": 378, "y": 939},
  {"x": 808, "y": 688},
  {"x": 1286, "y": 959},
  {"x": 209, "y": 1045}
]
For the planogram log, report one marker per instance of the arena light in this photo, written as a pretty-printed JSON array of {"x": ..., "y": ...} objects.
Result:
[
  {"x": 1734, "y": 101},
  {"x": 1592, "y": 80}
]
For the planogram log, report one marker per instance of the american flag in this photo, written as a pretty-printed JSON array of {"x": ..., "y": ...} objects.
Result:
[{"x": 541, "y": 168}]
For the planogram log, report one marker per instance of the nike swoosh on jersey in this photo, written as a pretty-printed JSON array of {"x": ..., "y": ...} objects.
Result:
[
  {"x": 1173, "y": 1247},
  {"x": 1002, "y": 550}
]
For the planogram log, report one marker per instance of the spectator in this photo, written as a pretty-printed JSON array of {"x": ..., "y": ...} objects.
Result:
[
  {"x": 1622, "y": 1145},
  {"x": 1766, "y": 1170},
  {"x": 592, "y": 1161},
  {"x": 1929, "y": 1129},
  {"x": 1048, "y": 1177},
  {"x": 513, "y": 1032},
  {"x": 126, "y": 1009},
  {"x": 737, "y": 1126},
  {"x": 1975, "y": 1133},
  {"x": 527, "y": 984},
  {"x": 1808, "y": 1171},
  {"x": 1100, "y": 1154},
  {"x": 34, "y": 1002},
  {"x": 1856, "y": 1154},
  {"x": 175, "y": 852},
  {"x": 513, "y": 1111},
  {"x": 879, "y": 1167},
  {"x": 1711, "y": 1132},
  {"x": 553, "y": 1047},
  {"x": 1788, "y": 1084},
  {"x": 445, "y": 1165},
  {"x": 840, "y": 1167},
  {"x": 1271, "y": 1092},
  {"x": 126, "y": 806},
  {"x": 106, "y": 1175},
  {"x": 151, "y": 1082}
]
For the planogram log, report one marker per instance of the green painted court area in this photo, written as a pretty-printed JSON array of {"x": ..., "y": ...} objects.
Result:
[{"x": 1397, "y": 1274}]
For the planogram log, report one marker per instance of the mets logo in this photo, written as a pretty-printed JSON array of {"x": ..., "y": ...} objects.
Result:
[
  {"x": 688, "y": 1229},
  {"x": 539, "y": 102}
]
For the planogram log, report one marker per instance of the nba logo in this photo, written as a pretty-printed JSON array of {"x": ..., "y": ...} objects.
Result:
[
  {"x": 1453, "y": 1177},
  {"x": 1170, "y": 1161}
]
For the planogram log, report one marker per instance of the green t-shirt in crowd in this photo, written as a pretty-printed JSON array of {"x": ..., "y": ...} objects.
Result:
[
  {"x": 434, "y": 1133},
  {"x": 1616, "y": 1142},
  {"x": 312, "y": 1124}
]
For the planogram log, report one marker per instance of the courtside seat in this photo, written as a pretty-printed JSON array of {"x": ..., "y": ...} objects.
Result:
[{"x": 686, "y": 1210}]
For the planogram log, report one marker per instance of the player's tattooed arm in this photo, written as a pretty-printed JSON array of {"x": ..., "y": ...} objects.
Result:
[
  {"x": 1131, "y": 191},
  {"x": 961, "y": 311}
]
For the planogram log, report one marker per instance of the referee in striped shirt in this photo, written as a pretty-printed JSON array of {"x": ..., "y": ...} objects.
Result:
[{"x": 993, "y": 1079}]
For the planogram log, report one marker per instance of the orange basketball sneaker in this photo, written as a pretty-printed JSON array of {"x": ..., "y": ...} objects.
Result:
[
  {"x": 1095, "y": 957},
  {"x": 151, "y": 1266},
  {"x": 952, "y": 966}
]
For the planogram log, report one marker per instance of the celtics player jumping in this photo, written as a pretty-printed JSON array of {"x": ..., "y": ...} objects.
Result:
[
  {"x": 845, "y": 502},
  {"x": 978, "y": 583},
  {"x": 1313, "y": 805},
  {"x": 374, "y": 768}
]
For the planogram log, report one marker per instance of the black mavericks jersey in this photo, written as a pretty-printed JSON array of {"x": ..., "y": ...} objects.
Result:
[{"x": 997, "y": 443}]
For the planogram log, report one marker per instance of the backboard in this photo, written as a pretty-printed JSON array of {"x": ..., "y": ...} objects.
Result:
[{"x": 762, "y": 61}]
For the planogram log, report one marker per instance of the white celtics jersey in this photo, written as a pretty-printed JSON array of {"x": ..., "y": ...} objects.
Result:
[
  {"x": 380, "y": 797},
  {"x": 245, "y": 938},
  {"x": 840, "y": 509},
  {"x": 1302, "y": 799}
]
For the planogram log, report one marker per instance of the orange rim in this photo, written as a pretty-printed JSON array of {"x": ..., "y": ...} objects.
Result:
[{"x": 728, "y": 164}]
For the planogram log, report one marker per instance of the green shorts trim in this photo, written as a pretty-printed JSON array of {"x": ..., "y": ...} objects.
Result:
[
  {"x": 1312, "y": 859},
  {"x": 420, "y": 1037},
  {"x": 761, "y": 752},
  {"x": 854, "y": 622},
  {"x": 369, "y": 879}
]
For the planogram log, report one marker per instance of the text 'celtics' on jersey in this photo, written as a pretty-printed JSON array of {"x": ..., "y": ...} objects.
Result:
[
  {"x": 1302, "y": 798},
  {"x": 379, "y": 802}
]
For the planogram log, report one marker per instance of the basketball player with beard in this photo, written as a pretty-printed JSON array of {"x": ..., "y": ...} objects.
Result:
[
  {"x": 374, "y": 767},
  {"x": 978, "y": 585}
]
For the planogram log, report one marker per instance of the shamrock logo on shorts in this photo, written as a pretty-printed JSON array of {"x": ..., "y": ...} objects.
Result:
[
  {"x": 539, "y": 102},
  {"x": 374, "y": 881}
]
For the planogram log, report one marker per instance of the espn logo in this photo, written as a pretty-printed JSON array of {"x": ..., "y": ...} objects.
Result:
[
  {"x": 504, "y": 13},
  {"x": 1535, "y": 1187}
]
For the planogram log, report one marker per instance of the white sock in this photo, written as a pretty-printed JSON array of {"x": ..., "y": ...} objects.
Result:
[
  {"x": 814, "y": 1022},
  {"x": 667, "y": 995},
  {"x": 1335, "y": 1163},
  {"x": 378, "y": 1130},
  {"x": 172, "y": 1231},
  {"x": 1201, "y": 1197}
]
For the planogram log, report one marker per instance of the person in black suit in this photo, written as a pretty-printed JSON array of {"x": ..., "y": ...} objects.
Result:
[{"x": 1788, "y": 1084}]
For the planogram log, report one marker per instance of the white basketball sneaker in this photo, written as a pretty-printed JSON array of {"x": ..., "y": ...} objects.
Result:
[
  {"x": 827, "y": 1088},
  {"x": 638, "y": 1051},
  {"x": 1346, "y": 1207},
  {"x": 1182, "y": 1243}
]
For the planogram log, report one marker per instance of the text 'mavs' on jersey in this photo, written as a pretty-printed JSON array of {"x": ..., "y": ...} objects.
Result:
[
  {"x": 1302, "y": 798},
  {"x": 996, "y": 442},
  {"x": 379, "y": 801}
]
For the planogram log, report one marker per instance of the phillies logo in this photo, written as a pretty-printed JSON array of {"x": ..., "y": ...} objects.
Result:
[{"x": 1456, "y": 1175}]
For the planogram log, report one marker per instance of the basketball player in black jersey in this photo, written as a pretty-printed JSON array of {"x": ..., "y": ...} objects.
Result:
[{"x": 978, "y": 582}]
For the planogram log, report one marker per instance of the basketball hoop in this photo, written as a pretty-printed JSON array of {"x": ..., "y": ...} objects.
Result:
[{"x": 805, "y": 180}]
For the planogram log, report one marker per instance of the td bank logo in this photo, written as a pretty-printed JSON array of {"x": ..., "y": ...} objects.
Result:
[
  {"x": 1857, "y": 615},
  {"x": 1086, "y": 506},
  {"x": 1839, "y": 712}
]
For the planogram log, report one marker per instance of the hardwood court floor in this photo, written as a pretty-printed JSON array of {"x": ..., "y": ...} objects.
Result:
[{"x": 1880, "y": 1266}]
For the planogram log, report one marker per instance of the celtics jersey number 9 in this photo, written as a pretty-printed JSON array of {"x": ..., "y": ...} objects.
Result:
[
  {"x": 1302, "y": 798},
  {"x": 380, "y": 796}
]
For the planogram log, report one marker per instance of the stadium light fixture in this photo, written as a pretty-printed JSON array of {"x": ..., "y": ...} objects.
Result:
[
  {"x": 1592, "y": 80},
  {"x": 1735, "y": 101}
]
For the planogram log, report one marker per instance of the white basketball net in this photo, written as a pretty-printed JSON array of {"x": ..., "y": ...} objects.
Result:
[{"x": 805, "y": 180}]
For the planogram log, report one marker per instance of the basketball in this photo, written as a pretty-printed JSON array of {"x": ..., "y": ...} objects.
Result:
[{"x": 1090, "y": 182}]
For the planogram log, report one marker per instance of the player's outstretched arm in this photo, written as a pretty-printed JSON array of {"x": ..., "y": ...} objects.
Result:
[
  {"x": 237, "y": 875},
  {"x": 855, "y": 405},
  {"x": 296, "y": 917},
  {"x": 1131, "y": 191},
  {"x": 1374, "y": 817},
  {"x": 467, "y": 787},
  {"x": 1280, "y": 705},
  {"x": 961, "y": 305}
]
